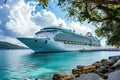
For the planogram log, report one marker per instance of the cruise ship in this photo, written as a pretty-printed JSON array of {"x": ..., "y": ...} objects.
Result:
[{"x": 57, "y": 38}]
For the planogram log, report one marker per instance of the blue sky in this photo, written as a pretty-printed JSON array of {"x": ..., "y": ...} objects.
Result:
[{"x": 22, "y": 18}]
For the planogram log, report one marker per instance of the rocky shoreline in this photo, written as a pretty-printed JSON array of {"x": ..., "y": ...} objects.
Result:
[{"x": 106, "y": 69}]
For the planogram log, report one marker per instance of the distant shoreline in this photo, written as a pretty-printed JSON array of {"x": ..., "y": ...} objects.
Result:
[
  {"x": 9, "y": 46},
  {"x": 96, "y": 50},
  {"x": 15, "y": 49}
]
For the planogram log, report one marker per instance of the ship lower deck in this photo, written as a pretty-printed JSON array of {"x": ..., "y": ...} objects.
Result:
[{"x": 43, "y": 45}]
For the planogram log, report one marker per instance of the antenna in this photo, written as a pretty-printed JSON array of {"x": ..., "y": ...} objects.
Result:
[
  {"x": 73, "y": 30},
  {"x": 89, "y": 34},
  {"x": 60, "y": 25}
]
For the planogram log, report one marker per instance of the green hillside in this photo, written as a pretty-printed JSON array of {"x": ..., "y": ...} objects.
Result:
[{"x": 6, "y": 45}]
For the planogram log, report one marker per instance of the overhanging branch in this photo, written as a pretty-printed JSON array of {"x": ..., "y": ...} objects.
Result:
[
  {"x": 108, "y": 11},
  {"x": 99, "y": 20},
  {"x": 115, "y": 2}
]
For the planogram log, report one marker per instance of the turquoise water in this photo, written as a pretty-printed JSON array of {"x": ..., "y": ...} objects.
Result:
[{"x": 17, "y": 64}]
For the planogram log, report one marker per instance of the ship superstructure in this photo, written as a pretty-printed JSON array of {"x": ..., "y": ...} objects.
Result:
[{"x": 56, "y": 38}]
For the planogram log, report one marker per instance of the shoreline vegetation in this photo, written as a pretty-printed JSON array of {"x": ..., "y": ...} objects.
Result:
[
  {"x": 105, "y": 69},
  {"x": 9, "y": 46}
]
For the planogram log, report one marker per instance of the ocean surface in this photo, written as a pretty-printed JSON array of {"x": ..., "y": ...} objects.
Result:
[{"x": 18, "y": 64}]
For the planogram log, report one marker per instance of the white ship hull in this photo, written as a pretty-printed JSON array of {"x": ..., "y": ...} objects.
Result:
[
  {"x": 40, "y": 45},
  {"x": 54, "y": 39}
]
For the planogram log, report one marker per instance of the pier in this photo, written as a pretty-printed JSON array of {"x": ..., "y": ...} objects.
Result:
[{"x": 101, "y": 49}]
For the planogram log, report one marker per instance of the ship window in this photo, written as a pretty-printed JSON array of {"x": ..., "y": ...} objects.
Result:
[
  {"x": 47, "y": 38},
  {"x": 72, "y": 42},
  {"x": 35, "y": 40},
  {"x": 65, "y": 42},
  {"x": 85, "y": 43}
]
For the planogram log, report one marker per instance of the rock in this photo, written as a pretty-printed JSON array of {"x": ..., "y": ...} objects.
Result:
[
  {"x": 83, "y": 69},
  {"x": 57, "y": 77},
  {"x": 80, "y": 67},
  {"x": 111, "y": 62},
  {"x": 101, "y": 69},
  {"x": 105, "y": 70},
  {"x": 104, "y": 60},
  {"x": 77, "y": 71},
  {"x": 118, "y": 68},
  {"x": 117, "y": 64},
  {"x": 110, "y": 70},
  {"x": 62, "y": 77},
  {"x": 98, "y": 70},
  {"x": 101, "y": 75},
  {"x": 114, "y": 58},
  {"x": 26, "y": 79},
  {"x": 106, "y": 65},
  {"x": 97, "y": 63},
  {"x": 114, "y": 75},
  {"x": 88, "y": 67},
  {"x": 89, "y": 76},
  {"x": 105, "y": 76},
  {"x": 75, "y": 75}
]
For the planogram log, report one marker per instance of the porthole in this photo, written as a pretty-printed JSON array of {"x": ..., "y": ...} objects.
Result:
[
  {"x": 35, "y": 40},
  {"x": 45, "y": 41}
]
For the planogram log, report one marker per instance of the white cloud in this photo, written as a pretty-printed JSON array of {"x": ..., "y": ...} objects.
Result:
[
  {"x": 0, "y": 22},
  {"x": 47, "y": 18},
  {"x": 6, "y": 6},
  {"x": 62, "y": 22},
  {"x": 79, "y": 28},
  {"x": 10, "y": 0},
  {"x": 20, "y": 22},
  {"x": 1, "y": 7},
  {"x": 44, "y": 18},
  {"x": 103, "y": 42},
  {"x": 1, "y": 31},
  {"x": 23, "y": 23}
]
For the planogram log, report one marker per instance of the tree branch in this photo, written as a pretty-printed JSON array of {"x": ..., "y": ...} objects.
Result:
[
  {"x": 115, "y": 2},
  {"x": 105, "y": 9},
  {"x": 108, "y": 11},
  {"x": 94, "y": 19},
  {"x": 87, "y": 10},
  {"x": 99, "y": 20}
]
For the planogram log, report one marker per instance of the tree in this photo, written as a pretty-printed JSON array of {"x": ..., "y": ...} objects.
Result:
[{"x": 104, "y": 14}]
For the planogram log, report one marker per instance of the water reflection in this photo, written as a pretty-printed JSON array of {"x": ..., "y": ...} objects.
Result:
[{"x": 16, "y": 64}]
